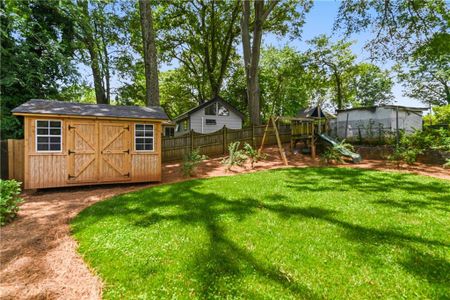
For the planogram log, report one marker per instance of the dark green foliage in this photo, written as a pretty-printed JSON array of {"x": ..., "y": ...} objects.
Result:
[
  {"x": 411, "y": 145},
  {"x": 296, "y": 233},
  {"x": 9, "y": 200},
  {"x": 37, "y": 46},
  {"x": 191, "y": 162}
]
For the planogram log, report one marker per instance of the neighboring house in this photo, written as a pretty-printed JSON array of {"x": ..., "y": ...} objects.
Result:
[
  {"x": 168, "y": 129},
  {"x": 376, "y": 120},
  {"x": 209, "y": 117},
  {"x": 69, "y": 144}
]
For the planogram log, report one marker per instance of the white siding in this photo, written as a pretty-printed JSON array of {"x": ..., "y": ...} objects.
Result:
[
  {"x": 233, "y": 121},
  {"x": 381, "y": 118}
]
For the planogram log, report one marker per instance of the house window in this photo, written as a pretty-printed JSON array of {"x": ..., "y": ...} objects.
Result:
[
  {"x": 210, "y": 122},
  {"x": 169, "y": 131},
  {"x": 211, "y": 110},
  {"x": 143, "y": 137},
  {"x": 223, "y": 111},
  {"x": 48, "y": 136}
]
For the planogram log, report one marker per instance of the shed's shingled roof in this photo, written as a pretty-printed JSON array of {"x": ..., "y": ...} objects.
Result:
[{"x": 54, "y": 107}]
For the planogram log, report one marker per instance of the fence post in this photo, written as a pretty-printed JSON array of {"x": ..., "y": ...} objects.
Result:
[
  {"x": 225, "y": 137},
  {"x": 192, "y": 139},
  {"x": 253, "y": 136}
]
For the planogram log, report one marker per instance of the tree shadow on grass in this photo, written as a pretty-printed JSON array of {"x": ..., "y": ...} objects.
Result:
[{"x": 224, "y": 258}]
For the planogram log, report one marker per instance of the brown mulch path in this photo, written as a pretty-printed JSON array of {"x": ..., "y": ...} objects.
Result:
[{"x": 38, "y": 256}]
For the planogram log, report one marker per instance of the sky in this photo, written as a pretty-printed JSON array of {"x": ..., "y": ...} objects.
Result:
[{"x": 320, "y": 20}]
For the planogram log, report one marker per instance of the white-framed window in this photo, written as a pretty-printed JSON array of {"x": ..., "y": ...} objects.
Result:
[
  {"x": 143, "y": 137},
  {"x": 48, "y": 136},
  {"x": 216, "y": 109}
]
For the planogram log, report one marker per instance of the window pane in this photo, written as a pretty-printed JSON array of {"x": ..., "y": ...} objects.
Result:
[
  {"x": 55, "y": 147},
  {"x": 42, "y": 123},
  {"x": 139, "y": 146},
  {"x": 42, "y": 147},
  {"x": 223, "y": 111},
  {"x": 42, "y": 131},
  {"x": 55, "y": 139},
  {"x": 42, "y": 139},
  {"x": 139, "y": 140},
  {"x": 148, "y": 147},
  {"x": 56, "y": 124},
  {"x": 149, "y": 141},
  {"x": 139, "y": 127},
  {"x": 55, "y": 131},
  {"x": 211, "y": 110},
  {"x": 148, "y": 127},
  {"x": 210, "y": 122},
  {"x": 139, "y": 133}
]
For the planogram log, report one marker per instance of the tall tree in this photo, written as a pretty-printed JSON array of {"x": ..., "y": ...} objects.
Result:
[
  {"x": 409, "y": 32},
  {"x": 37, "y": 51},
  {"x": 88, "y": 38},
  {"x": 149, "y": 47},
  {"x": 270, "y": 16},
  {"x": 336, "y": 60},
  {"x": 201, "y": 36}
]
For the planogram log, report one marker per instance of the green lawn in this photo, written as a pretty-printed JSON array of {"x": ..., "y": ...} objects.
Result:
[{"x": 315, "y": 233}]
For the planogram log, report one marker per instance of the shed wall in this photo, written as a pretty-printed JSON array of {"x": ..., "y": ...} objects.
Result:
[{"x": 103, "y": 154}]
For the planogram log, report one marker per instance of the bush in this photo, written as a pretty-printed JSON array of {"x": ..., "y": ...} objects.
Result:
[
  {"x": 410, "y": 146},
  {"x": 191, "y": 162},
  {"x": 447, "y": 164},
  {"x": 252, "y": 154},
  {"x": 236, "y": 156},
  {"x": 9, "y": 200}
]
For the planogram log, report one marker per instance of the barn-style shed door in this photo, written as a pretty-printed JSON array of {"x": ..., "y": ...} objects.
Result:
[
  {"x": 114, "y": 151},
  {"x": 82, "y": 148}
]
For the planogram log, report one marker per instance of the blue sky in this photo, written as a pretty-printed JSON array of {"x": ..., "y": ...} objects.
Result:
[{"x": 320, "y": 20}]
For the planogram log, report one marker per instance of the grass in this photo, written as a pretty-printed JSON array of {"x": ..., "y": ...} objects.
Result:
[{"x": 314, "y": 233}]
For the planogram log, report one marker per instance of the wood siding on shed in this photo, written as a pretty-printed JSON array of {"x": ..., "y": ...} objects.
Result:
[{"x": 101, "y": 151}]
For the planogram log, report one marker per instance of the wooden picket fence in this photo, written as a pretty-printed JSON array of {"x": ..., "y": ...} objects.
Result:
[
  {"x": 12, "y": 159},
  {"x": 216, "y": 143}
]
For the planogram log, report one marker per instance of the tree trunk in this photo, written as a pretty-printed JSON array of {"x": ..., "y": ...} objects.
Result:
[
  {"x": 150, "y": 60},
  {"x": 339, "y": 96},
  {"x": 92, "y": 49}
]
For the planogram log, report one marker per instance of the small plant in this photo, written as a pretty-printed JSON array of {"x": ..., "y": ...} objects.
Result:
[
  {"x": 9, "y": 200},
  {"x": 236, "y": 156},
  {"x": 191, "y": 162},
  {"x": 252, "y": 154},
  {"x": 447, "y": 164}
]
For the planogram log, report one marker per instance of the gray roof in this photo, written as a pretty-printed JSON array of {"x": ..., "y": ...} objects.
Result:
[
  {"x": 54, "y": 107},
  {"x": 389, "y": 106},
  {"x": 205, "y": 104}
]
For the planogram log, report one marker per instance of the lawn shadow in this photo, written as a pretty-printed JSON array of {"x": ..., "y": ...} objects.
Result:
[{"x": 185, "y": 203}]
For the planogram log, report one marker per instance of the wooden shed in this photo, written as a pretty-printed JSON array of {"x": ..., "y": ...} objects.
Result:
[{"x": 68, "y": 144}]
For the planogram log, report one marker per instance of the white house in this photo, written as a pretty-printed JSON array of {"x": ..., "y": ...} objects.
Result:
[
  {"x": 376, "y": 120},
  {"x": 209, "y": 117}
]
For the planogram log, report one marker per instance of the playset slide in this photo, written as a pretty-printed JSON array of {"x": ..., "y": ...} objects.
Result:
[{"x": 356, "y": 158}]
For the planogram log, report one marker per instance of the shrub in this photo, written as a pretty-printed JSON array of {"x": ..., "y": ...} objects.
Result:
[
  {"x": 252, "y": 154},
  {"x": 9, "y": 200},
  {"x": 447, "y": 164},
  {"x": 191, "y": 162},
  {"x": 236, "y": 156}
]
